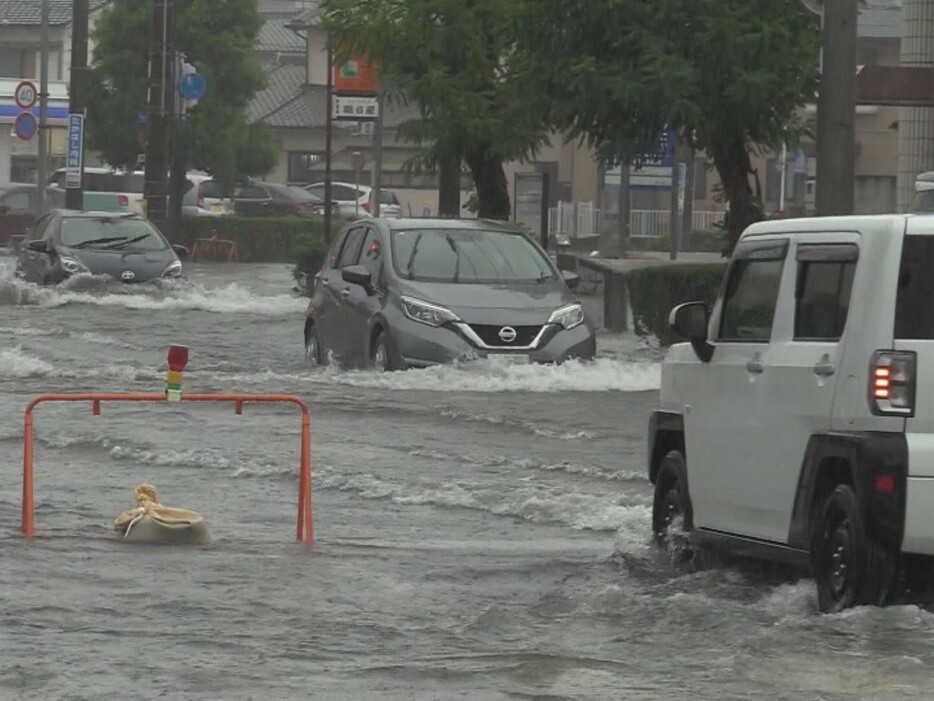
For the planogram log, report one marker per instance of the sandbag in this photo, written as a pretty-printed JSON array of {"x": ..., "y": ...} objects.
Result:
[{"x": 151, "y": 522}]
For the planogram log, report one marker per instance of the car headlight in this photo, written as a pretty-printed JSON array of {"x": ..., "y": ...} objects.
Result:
[
  {"x": 173, "y": 269},
  {"x": 569, "y": 316},
  {"x": 73, "y": 266},
  {"x": 427, "y": 313}
]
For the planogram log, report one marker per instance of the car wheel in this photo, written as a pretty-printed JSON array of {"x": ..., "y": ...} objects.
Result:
[
  {"x": 312, "y": 346},
  {"x": 671, "y": 507},
  {"x": 382, "y": 358},
  {"x": 849, "y": 568}
]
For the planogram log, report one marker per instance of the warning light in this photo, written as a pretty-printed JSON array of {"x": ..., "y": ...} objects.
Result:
[{"x": 178, "y": 359}]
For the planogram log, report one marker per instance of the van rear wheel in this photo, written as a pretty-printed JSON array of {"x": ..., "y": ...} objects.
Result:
[{"x": 850, "y": 569}]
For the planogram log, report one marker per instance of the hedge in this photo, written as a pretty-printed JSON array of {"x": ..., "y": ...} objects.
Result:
[
  {"x": 653, "y": 291},
  {"x": 260, "y": 239},
  {"x": 697, "y": 241}
]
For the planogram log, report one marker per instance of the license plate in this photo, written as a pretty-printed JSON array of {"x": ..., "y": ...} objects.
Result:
[
  {"x": 511, "y": 358},
  {"x": 216, "y": 207}
]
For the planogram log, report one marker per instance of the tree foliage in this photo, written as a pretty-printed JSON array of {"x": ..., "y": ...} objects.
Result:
[
  {"x": 217, "y": 36},
  {"x": 728, "y": 75},
  {"x": 453, "y": 59}
]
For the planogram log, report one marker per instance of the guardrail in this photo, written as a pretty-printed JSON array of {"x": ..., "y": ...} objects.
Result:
[{"x": 303, "y": 526}]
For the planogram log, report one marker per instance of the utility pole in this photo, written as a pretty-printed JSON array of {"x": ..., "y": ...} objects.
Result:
[
  {"x": 159, "y": 110},
  {"x": 77, "y": 98},
  {"x": 42, "y": 170},
  {"x": 327, "y": 143},
  {"x": 836, "y": 109},
  {"x": 376, "y": 180}
]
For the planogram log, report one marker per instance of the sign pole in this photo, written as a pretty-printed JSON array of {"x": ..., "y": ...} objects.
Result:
[
  {"x": 327, "y": 144},
  {"x": 42, "y": 167},
  {"x": 74, "y": 195}
]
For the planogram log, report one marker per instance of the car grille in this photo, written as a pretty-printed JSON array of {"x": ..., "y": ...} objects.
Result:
[{"x": 490, "y": 335}]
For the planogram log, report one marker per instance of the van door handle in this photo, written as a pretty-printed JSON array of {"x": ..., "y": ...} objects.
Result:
[
  {"x": 755, "y": 366},
  {"x": 345, "y": 292},
  {"x": 824, "y": 368}
]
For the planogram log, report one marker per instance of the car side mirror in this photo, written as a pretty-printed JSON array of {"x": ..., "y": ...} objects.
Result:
[
  {"x": 38, "y": 245},
  {"x": 571, "y": 279},
  {"x": 180, "y": 251},
  {"x": 690, "y": 320},
  {"x": 358, "y": 275}
]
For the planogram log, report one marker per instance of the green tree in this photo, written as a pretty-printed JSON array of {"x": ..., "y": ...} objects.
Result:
[
  {"x": 453, "y": 59},
  {"x": 727, "y": 75},
  {"x": 217, "y": 36}
]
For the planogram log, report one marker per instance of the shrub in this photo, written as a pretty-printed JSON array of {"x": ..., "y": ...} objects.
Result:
[
  {"x": 653, "y": 291},
  {"x": 696, "y": 241},
  {"x": 259, "y": 239}
]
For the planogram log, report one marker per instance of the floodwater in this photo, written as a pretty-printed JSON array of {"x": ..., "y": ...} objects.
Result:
[{"x": 481, "y": 530}]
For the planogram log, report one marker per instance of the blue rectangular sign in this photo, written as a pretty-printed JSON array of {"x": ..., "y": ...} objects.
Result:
[{"x": 75, "y": 151}]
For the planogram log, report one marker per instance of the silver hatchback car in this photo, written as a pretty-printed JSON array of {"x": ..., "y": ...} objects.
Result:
[{"x": 399, "y": 293}]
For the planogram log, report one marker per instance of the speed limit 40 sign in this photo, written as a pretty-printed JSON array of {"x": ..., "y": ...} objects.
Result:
[{"x": 25, "y": 94}]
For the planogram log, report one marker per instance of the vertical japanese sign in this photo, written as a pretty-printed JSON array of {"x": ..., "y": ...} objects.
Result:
[{"x": 75, "y": 151}]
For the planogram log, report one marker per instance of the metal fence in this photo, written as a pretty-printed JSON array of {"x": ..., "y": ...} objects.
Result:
[{"x": 574, "y": 220}]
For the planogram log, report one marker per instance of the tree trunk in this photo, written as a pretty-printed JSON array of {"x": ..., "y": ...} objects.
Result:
[
  {"x": 734, "y": 168},
  {"x": 449, "y": 185},
  {"x": 492, "y": 189}
]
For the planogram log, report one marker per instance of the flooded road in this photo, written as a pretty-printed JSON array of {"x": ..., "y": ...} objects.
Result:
[{"x": 481, "y": 530}]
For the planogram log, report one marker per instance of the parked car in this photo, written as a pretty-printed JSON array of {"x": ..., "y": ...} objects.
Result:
[
  {"x": 397, "y": 293},
  {"x": 353, "y": 201},
  {"x": 794, "y": 425},
  {"x": 126, "y": 185},
  {"x": 18, "y": 210},
  {"x": 207, "y": 195},
  {"x": 260, "y": 199},
  {"x": 124, "y": 246}
]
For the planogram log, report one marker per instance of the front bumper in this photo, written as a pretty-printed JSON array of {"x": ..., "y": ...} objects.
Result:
[{"x": 421, "y": 345}]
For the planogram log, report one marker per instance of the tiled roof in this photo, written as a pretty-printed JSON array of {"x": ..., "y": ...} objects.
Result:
[
  {"x": 283, "y": 84},
  {"x": 880, "y": 19},
  {"x": 29, "y": 12},
  {"x": 275, "y": 37},
  {"x": 288, "y": 103}
]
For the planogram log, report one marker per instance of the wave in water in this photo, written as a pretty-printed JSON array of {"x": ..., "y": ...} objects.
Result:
[
  {"x": 528, "y": 501},
  {"x": 14, "y": 363},
  {"x": 487, "y": 376},
  {"x": 170, "y": 295}
]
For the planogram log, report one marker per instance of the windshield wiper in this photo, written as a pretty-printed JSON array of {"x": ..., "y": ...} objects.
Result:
[
  {"x": 408, "y": 266},
  {"x": 105, "y": 239},
  {"x": 121, "y": 244},
  {"x": 457, "y": 257}
]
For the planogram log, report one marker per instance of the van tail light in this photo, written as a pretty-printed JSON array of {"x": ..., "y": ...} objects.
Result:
[
  {"x": 366, "y": 207},
  {"x": 200, "y": 195},
  {"x": 892, "y": 382},
  {"x": 123, "y": 200}
]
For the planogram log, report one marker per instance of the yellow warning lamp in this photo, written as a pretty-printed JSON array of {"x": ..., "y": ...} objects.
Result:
[{"x": 178, "y": 359}]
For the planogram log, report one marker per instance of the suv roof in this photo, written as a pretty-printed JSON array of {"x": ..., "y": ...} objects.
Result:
[{"x": 393, "y": 223}]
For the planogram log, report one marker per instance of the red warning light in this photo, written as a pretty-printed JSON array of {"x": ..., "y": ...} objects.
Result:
[{"x": 178, "y": 358}]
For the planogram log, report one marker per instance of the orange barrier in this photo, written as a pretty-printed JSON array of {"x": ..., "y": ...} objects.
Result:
[
  {"x": 303, "y": 527},
  {"x": 216, "y": 248}
]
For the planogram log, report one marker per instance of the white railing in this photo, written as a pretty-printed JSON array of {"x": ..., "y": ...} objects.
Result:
[
  {"x": 652, "y": 223},
  {"x": 574, "y": 220}
]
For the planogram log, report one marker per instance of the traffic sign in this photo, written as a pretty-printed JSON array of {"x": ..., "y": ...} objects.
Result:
[
  {"x": 74, "y": 161},
  {"x": 192, "y": 86},
  {"x": 25, "y": 94},
  {"x": 25, "y": 126},
  {"x": 801, "y": 162}
]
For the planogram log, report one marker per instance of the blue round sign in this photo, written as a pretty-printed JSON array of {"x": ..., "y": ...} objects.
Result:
[
  {"x": 25, "y": 126},
  {"x": 192, "y": 86}
]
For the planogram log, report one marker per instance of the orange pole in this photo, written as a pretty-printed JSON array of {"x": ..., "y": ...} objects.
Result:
[
  {"x": 304, "y": 530},
  {"x": 305, "y": 480},
  {"x": 28, "y": 510}
]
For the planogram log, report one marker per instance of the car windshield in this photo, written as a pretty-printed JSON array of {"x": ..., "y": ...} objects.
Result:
[
  {"x": 468, "y": 256},
  {"x": 118, "y": 233}
]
